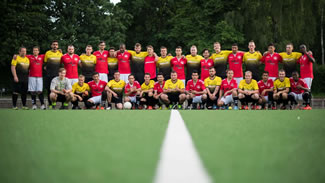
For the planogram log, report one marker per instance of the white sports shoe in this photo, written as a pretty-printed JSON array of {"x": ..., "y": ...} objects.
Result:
[
  {"x": 34, "y": 107},
  {"x": 43, "y": 107},
  {"x": 108, "y": 108}
]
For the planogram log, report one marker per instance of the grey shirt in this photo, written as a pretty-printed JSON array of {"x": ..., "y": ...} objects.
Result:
[{"x": 59, "y": 85}]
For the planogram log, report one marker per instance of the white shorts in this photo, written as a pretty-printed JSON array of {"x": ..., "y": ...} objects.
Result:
[
  {"x": 125, "y": 77},
  {"x": 133, "y": 99},
  {"x": 308, "y": 82},
  {"x": 72, "y": 81},
  {"x": 273, "y": 78},
  {"x": 183, "y": 80},
  {"x": 96, "y": 100},
  {"x": 238, "y": 80},
  {"x": 297, "y": 97},
  {"x": 103, "y": 77},
  {"x": 35, "y": 84},
  {"x": 227, "y": 99},
  {"x": 197, "y": 99},
  {"x": 266, "y": 98}
]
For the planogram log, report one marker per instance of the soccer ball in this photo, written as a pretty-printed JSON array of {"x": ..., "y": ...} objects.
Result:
[{"x": 127, "y": 105}]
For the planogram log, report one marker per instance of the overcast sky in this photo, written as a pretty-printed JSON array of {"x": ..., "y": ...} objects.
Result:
[{"x": 114, "y": 1}]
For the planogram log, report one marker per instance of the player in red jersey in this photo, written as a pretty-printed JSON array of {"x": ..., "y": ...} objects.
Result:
[
  {"x": 266, "y": 91},
  {"x": 228, "y": 91},
  {"x": 306, "y": 65},
  {"x": 98, "y": 93},
  {"x": 158, "y": 89},
  {"x": 123, "y": 57},
  {"x": 101, "y": 61},
  {"x": 178, "y": 64},
  {"x": 299, "y": 91},
  {"x": 206, "y": 63},
  {"x": 132, "y": 91},
  {"x": 235, "y": 61},
  {"x": 35, "y": 78},
  {"x": 195, "y": 91},
  {"x": 150, "y": 62},
  {"x": 71, "y": 62},
  {"x": 271, "y": 60}
]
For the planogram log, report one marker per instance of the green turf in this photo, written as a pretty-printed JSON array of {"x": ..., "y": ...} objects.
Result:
[
  {"x": 260, "y": 146},
  {"x": 80, "y": 146}
]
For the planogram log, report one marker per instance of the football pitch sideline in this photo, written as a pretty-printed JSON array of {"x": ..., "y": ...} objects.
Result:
[{"x": 124, "y": 146}]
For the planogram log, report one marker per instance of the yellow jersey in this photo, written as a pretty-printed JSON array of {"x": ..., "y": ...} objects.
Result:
[
  {"x": 211, "y": 84},
  {"x": 193, "y": 63},
  {"x": 281, "y": 85},
  {"x": 117, "y": 86},
  {"x": 88, "y": 64},
  {"x": 145, "y": 87},
  {"x": 22, "y": 67},
  {"x": 53, "y": 60},
  {"x": 290, "y": 62},
  {"x": 76, "y": 88},
  {"x": 163, "y": 65},
  {"x": 137, "y": 62},
  {"x": 248, "y": 86},
  {"x": 170, "y": 85},
  {"x": 220, "y": 62}
]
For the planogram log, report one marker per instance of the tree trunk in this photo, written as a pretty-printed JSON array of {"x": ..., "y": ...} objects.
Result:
[{"x": 322, "y": 35}]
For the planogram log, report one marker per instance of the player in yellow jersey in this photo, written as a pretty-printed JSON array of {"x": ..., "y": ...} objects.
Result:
[
  {"x": 220, "y": 58},
  {"x": 20, "y": 70},
  {"x": 52, "y": 62},
  {"x": 163, "y": 63},
  {"x": 80, "y": 92},
  {"x": 290, "y": 59},
  {"x": 137, "y": 62},
  {"x": 281, "y": 89},
  {"x": 146, "y": 94},
  {"x": 174, "y": 92},
  {"x": 212, "y": 84},
  {"x": 112, "y": 64},
  {"x": 252, "y": 60},
  {"x": 87, "y": 63},
  {"x": 115, "y": 88},
  {"x": 248, "y": 91},
  {"x": 193, "y": 63}
]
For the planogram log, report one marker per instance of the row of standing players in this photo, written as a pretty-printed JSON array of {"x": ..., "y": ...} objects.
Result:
[{"x": 124, "y": 61}]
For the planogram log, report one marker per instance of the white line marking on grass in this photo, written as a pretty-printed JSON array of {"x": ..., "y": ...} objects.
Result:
[{"x": 179, "y": 161}]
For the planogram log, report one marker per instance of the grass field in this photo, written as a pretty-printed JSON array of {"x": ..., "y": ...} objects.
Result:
[{"x": 123, "y": 146}]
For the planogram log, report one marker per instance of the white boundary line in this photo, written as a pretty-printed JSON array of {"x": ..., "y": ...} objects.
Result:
[{"x": 179, "y": 161}]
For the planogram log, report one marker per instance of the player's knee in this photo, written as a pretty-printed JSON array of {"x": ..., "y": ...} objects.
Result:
[
  {"x": 240, "y": 96},
  {"x": 127, "y": 99},
  {"x": 234, "y": 93},
  {"x": 255, "y": 96},
  {"x": 150, "y": 94},
  {"x": 204, "y": 97},
  {"x": 143, "y": 100},
  {"x": 284, "y": 95},
  {"x": 182, "y": 96},
  {"x": 119, "y": 106}
]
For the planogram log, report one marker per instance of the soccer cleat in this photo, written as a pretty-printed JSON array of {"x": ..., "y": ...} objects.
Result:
[
  {"x": 108, "y": 108},
  {"x": 149, "y": 107},
  {"x": 214, "y": 107},
  {"x": 15, "y": 108},
  {"x": 34, "y": 107},
  {"x": 246, "y": 107},
  {"x": 283, "y": 107},
  {"x": 62, "y": 107},
  {"x": 273, "y": 108},
  {"x": 258, "y": 107},
  {"x": 74, "y": 107},
  {"x": 102, "y": 108},
  {"x": 180, "y": 106},
  {"x": 242, "y": 107},
  {"x": 236, "y": 108},
  {"x": 25, "y": 108},
  {"x": 43, "y": 107},
  {"x": 307, "y": 107},
  {"x": 253, "y": 107},
  {"x": 170, "y": 106}
]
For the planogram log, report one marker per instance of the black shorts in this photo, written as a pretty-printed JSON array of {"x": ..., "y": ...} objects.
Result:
[
  {"x": 84, "y": 98},
  {"x": 116, "y": 100},
  {"x": 60, "y": 98},
  {"x": 211, "y": 102},
  {"x": 173, "y": 96},
  {"x": 21, "y": 87},
  {"x": 249, "y": 98},
  {"x": 47, "y": 83}
]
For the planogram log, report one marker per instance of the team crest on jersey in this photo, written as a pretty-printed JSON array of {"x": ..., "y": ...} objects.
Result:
[
  {"x": 239, "y": 57},
  {"x": 101, "y": 86},
  {"x": 275, "y": 58},
  {"x": 182, "y": 62},
  {"x": 75, "y": 59},
  {"x": 39, "y": 59},
  {"x": 198, "y": 87},
  {"x": 105, "y": 55},
  {"x": 209, "y": 64},
  {"x": 232, "y": 85}
]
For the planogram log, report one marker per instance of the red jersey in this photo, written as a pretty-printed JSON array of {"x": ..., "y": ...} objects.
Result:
[
  {"x": 236, "y": 63},
  {"x": 199, "y": 86},
  {"x": 150, "y": 66},
  {"x": 71, "y": 65},
  {"x": 97, "y": 89},
  {"x": 226, "y": 86},
  {"x": 306, "y": 67},
  {"x": 35, "y": 65},
  {"x": 272, "y": 63},
  {"x": 178, "y": 66},
  {"x": 159, "y": 88},
  {"x": 294, "y": 85},
  {"x": 101, "y": 61},
  {"x": 262, "y": 86},
  {"x": 124, "y": 62},
  {"x": 128, "y": 86},
  {"x": 205, "y": 65}
]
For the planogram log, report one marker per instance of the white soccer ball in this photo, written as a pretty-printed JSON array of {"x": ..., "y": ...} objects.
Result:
[{"x": 127, "y": 105}]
